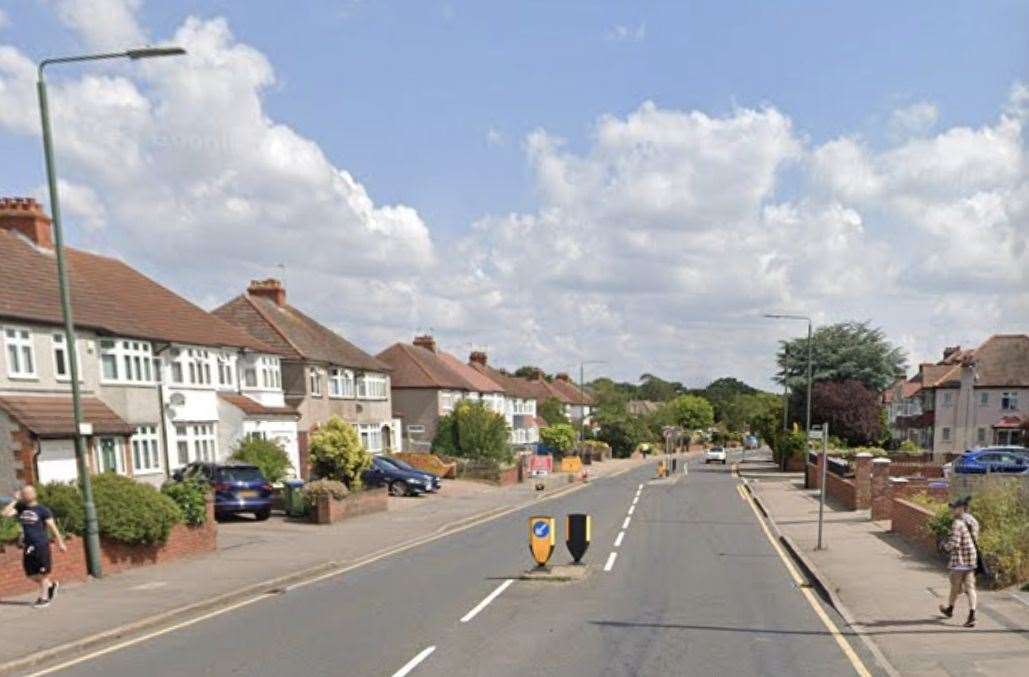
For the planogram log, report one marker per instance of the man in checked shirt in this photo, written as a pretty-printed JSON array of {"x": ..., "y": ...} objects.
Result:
[{"x": 964, "y": 533}]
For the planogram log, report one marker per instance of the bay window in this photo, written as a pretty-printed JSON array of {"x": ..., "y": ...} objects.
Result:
[
  {"x": 371, "y": 386},
  {"x": 145, "y": 456},
  {"x": 371, "y": 437},
  {"x": 271, "y": 376},
  {"x": 196, "y": 441},
  {"x": 1009, "y": 401},
  {"x": 341, "y": 382},
  {"x": 125, "y": 361}
]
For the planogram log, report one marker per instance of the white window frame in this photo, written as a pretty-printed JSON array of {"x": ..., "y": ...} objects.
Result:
[
  {"x": 271, "y": 375},
  {"x": 1009, "y": 400},
  {"x": 200, "y": 439},
  {"x": 984, "y": 399},
  {"x": 58, "y": 342},
  {"x": 980, "y": 435},
  {"x": 133, "y": 361},
  {"x": 416, "y": 429},
  {"x": 341, "y": 383},
  {"x": 119, "y": 461},
  {"x": 372, "y": 386},
  {"x": 314, "y": 381},
  {"x": 146, "y": 452},
  {"x": 371, "y": 437},
  {"x": 226, "y": 376},
  {"x": 18, "y": 349}
]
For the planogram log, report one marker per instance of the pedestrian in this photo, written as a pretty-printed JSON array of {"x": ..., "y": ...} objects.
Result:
[
  {"x": 36, "y": 520},
  {"x": 964, "y": 558}
]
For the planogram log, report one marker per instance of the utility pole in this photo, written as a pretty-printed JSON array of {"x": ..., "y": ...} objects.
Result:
[
  {"x": 824, "y": 432},
  {"x": 582, "y": 395}
]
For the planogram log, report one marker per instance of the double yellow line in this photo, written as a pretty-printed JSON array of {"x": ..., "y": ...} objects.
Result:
[{"x": 848, "y": 651}]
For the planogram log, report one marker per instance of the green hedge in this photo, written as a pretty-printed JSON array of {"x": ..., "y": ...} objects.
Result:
[
  {"x": 65, "y": 502},
  {"x": 191, "y": 497},
  {"x": 9, "y": 530},
  {"x": 268, "y": 456}
]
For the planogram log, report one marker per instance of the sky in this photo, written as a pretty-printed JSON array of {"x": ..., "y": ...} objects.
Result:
[{"x": 635, "y": 183}]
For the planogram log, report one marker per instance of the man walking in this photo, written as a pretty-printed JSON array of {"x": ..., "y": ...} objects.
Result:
[
  {"x": 36, "y": 520},
  {"x": 964, "y": 533}
]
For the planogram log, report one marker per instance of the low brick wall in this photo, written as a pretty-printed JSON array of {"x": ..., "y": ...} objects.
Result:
[
  {"x": 183, "y": 541},
  {"x": 907, "y": 469},
  {"x": 795, "y": 464},
  {"x": 363, "y": 502},
  {"x": 841, "y": 490},
  {"x": 910, "y": 521},
  {"x": 501, "y": 477}
]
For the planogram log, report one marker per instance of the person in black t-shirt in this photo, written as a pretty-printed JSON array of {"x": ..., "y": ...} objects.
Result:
[{"x": 36, "y": 520}]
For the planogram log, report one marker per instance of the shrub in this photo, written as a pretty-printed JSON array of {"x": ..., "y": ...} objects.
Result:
[
  {"x": 337, "y": 454},
  {"x": 65, "y": 502},
  {"x": 552, "y": 411},
  {"x": 9, "y": 530},
  {"x": 268, "y": 456},
  {"x": 472, "y": 431},
  {"x": 560, "y": 437},
  {"x": 191, "y": 497},
  {"x": 790, "y": 444},
  {"x": 133, "y": 512},
  {"x": 623, "y": 434},
  {"x": 909, "y": 447},
  {"x": 324, "y": 488},
  {"x": 1003, "y": 515}
]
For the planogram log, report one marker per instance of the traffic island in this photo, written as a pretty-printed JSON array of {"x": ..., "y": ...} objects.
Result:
[{"x": 558, "y": 573}]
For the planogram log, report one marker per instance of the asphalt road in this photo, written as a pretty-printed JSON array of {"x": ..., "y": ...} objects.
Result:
[{"x": 695, "y": 588}]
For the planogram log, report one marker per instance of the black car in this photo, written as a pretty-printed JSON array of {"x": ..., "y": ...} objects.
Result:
[
  {"x": 434, "y": 479},
  {"x": 400, "y": 482},
  {"x": 237, "y": 487}
]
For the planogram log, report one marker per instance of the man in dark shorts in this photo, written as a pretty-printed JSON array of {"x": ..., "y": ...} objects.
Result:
[{"x": 36, "y": 520}]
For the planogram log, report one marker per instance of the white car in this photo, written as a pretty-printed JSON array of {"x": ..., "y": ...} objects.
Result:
[{"x": 715, "y": 455}]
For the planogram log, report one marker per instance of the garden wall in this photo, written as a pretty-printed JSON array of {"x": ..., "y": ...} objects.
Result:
[
  {"x": 910, "y": 521},
  {"x": 841, "y": 490},
  {"x": 183, "y": 541}
]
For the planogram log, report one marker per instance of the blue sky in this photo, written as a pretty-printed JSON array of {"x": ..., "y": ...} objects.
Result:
[{"x": 430, "y": 104}]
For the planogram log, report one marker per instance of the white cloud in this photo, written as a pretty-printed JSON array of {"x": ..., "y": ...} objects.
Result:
[
  {"x": 627, "y": 33},
  {"x": 918, "y": 118},
  {"x": 103, "y": 24}
]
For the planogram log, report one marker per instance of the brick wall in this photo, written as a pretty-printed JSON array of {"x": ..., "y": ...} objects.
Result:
[
  {"x": 183, "y": 541},
  {"x": 841, "y": 491},
  {"x": 909, "y": 520},
  {"x": 907, "y": 469}
]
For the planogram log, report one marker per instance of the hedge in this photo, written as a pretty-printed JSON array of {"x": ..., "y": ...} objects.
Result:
[{"x": 191, "y": 497}]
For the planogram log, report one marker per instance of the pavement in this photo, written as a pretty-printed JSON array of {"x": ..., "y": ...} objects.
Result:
[
  {"x": 890, "y": 590},
  {"x": 681, "y": 578},
  {"x": 251, "y": 558}
]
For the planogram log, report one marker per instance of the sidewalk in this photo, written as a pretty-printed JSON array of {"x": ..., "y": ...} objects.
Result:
[
  {"x": 892, "y": 592},
  {"x": 250, "y": 554}
]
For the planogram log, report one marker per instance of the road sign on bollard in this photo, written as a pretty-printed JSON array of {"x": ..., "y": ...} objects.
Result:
[
  {"x": 541, "y": 539},
  {"x": 577, "y": 535}
]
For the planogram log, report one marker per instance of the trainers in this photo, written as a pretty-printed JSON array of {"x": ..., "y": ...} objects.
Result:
[
  {"x": 52, "y": 590},
  {"x": 947, "y": 611},
  {"x": 40, "y": 603}
]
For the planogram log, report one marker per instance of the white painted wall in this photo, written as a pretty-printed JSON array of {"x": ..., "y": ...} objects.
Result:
[{"x": 56, "y": 461}]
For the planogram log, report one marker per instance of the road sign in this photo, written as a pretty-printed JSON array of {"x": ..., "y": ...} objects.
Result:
[
  {"x": 815, "y": 433},
  {"x": 577, "y": 535},
  {"x": 541, "y": 538}
]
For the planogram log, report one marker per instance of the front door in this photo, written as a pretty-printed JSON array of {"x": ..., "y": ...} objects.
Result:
[{"x": 108, "y": 454}]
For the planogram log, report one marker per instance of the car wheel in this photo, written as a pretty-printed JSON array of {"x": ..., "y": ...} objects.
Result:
[
  {"x": 398, "y": 488},
  {"x": 262, "y": 515}
]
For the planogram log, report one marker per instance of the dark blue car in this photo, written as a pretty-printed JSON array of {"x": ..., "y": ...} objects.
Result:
[
  {"x": 238, "y": 488},
  {"x": 433, "y": 482},
  {"x": 400, "y": 482},
  {"x": 1014, "y": 460}
]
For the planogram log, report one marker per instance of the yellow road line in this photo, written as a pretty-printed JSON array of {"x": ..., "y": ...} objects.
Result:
[{"x": 844, "y": 645}]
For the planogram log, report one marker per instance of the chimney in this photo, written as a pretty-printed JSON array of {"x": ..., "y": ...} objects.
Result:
[
  {"x": 562, "y": 377},
  {"x": 269, "y": 289},
  {"x": 950, "y": 350},
  {"x": 425, "y": 341},
  {"x": 478, "y": 357},
  {"x": 24, "y": 215}
]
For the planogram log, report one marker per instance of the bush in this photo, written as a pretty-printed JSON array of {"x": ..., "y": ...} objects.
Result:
[
  {"x": 790, "y": 444},
  {"x": 552, "y": 411},
  {"x": 909, "y": 447},
  {"x": 472, "y": 431},
  {"x": 323, "y": 488},
  {"x": 337, "y": 454},
  {"x": 133, "y": 512},
  {"x": 9, "y": 530},
  {"x": 560, "y": 437},
  {"x": 623, "y": 434},
  {"x": 191, "y": 497},
  {"x": 268, "y": 456},
  {"x": 65, "y": 502}
]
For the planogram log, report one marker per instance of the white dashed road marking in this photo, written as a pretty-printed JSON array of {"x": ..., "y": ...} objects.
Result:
[
  {"x": 489, "y": 598},
  {"x": 618, "y": 541},
  {"x": 413, "y": 663},
  {"x": 611, "y": 561}
]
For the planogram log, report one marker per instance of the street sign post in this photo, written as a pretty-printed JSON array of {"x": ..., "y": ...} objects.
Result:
[
  {"x": 822, "y": 433},
  {"x": 541, "y": 539}
]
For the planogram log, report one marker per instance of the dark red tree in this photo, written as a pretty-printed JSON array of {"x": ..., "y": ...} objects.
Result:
[{"x": 850, "y": 408}]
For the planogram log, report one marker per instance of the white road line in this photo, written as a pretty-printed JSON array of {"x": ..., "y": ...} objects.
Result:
[
  {"x": 636, "y": 500},
  {"x": 489, "y": 598},
  {"x": 625, "y": 524},
  {"x": 641, "y": 487},
  {"x": 413, "y": 663},
  {"x": 618, "y": 541},
  {"x": 611, "y": 561},
  {"x": 632, "y": 509}
]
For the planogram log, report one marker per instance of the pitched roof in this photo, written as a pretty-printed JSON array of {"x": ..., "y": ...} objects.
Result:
[
  {"x": 293, "y": 333},
  {"x": 51, "y": 416},
  {"x": 1002, "y": 360},
  {"x": 482, "y": 382},
  {"x": 252, "y": 407},
  {"x": 108, "y": 296},
  {"x": 512, "y": 385},
  {"x": 418, "y": 367},
  {"x": 545, "y": 390},
  {"x": 571, "y": 392}
]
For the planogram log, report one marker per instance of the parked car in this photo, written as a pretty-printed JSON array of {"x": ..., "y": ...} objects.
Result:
[
  {"x": 715, "y": 455},
  {"x": 432, "y": 481},
  {"x": 1013, "y": 460},
  {"x": 400, "y": 482},
  {"x": 238, "y": 487}
]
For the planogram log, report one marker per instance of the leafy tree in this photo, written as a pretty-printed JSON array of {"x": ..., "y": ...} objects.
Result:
[
  {"x": 552, "y": 411},
  {"x": 850, "y": 408},
  {"x": 739, "y": 411},
  {"x": 337, "y": 454},
  {"x": 560, "y": 437},
  {"x": 268, "y": 456},
  {"x": 691, "y": 412},
  {"x": 472, "y": 431},
  {"x": 721, "y": 392},
  {"x": 848, "y": 351},
  {"x": 657, "y": 390},
  {"x": 530, "y": 372},
  {"x": 623, "y": 433},
  {"x": 767, "y": 422}
]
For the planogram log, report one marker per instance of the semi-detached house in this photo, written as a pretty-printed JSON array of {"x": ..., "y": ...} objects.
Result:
[
  {"x": 164, "y": 383},
  {"x": 520, "y": 398},
  {"x": 323, "y": 374}
]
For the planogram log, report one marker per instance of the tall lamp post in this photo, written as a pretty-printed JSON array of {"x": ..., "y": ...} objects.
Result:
[
  {"x": 92, "y": 539},
  {"x": 810, "y": 347},
  {"x": 582, "y": 394}
]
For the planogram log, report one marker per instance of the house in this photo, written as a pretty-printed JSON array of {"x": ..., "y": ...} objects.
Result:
[
  {"x": 642, "y": 407},
  {"x": 519, "y": 400},
  {"x": 154, "y": 368},
  {"x": 578, "y": 403},
  {"x": 323, "y": 374},
  {"x": 902, "y": 402},
  {"x": 427, "y": 383}
]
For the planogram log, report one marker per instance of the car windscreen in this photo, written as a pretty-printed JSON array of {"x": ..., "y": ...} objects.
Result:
[
  {"x": 398, "y": 463},
  {"x": 384, "y": 464},
  {"x": 240, "y": 474},
  {"x": 716, "y": 450}
]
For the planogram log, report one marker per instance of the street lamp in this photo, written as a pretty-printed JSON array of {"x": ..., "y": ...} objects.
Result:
[
  {"x": 582, "y": 395},
  {"x": 810, "y": 348},
  {"x": 92, "y": 539}
]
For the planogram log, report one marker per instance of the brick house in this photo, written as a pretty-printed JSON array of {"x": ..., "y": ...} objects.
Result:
[
  {"x": 152, "y": 366},
  {"x": 519, "y": 399},
  {"x": 427, "y": 383},
  {"x": 323, "y": 374},
  {"x": 578, "y": 403}
]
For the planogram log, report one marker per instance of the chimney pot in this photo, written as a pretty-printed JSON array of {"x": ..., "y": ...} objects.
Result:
[
  {"x": 478, "y": 357},
  {"x": 269, "y": 289},
  {"x": 24, "y": 215},
  {"x": 562, "y": 377},
  {"x": 425, "y": 341}
]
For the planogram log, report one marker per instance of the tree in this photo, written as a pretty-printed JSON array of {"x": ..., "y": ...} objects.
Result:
[
  {"x": 560, "y": 437},
  {"x": 767, "y": 422},
  {"x": 851, "y": 410},
  {"x": 268, "y": 456},
  {"x": 691, "y": 412},
  {"x": 474, "y": 432},
  {"x": 739, "y": 411},
  {"x": 848, "y": 351},
  {"x": 552, "y": 411},
  {"x": 529, "y": 372},
  {"x": 337, "y": 454},
  {"x": 721, "y": 392},
  {"x": 623, "y": 433},
  {"x": 657, "y": 390}
]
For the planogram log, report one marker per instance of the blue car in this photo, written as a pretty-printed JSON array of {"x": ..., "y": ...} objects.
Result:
[
  {"x": 432, "y": 480},
  {"x": 400, "y": 482},
  {"x": 238, "y": 488},
  {"x": 1011, "y": 460}
]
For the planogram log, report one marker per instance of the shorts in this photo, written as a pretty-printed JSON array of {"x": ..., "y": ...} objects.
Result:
[{"x": 36, "y": 560}]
